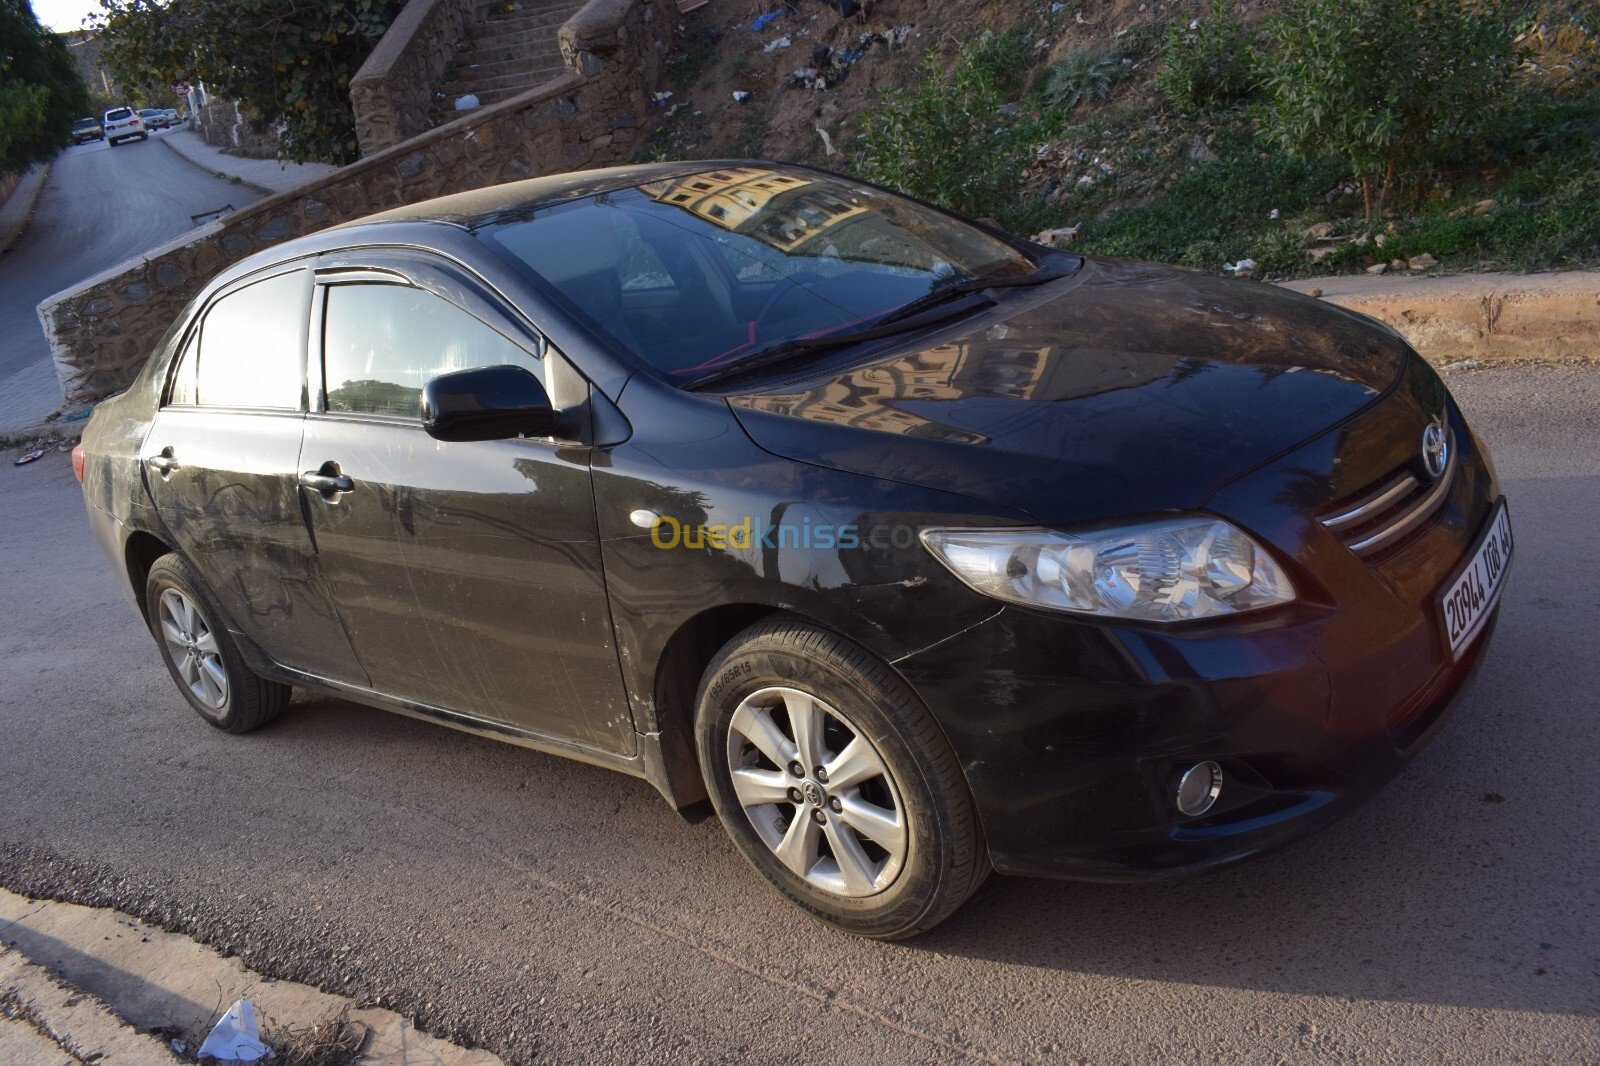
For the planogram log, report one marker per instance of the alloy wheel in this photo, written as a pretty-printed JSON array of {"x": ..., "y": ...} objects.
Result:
[
  {"x": 193, "y": 648},
  {"x": 817, "y": 792}
]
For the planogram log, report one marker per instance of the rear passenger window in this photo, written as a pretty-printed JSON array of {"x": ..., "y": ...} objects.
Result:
[
  {"x": 252, "y": 345},
  {"x": 382, "y": 343}
]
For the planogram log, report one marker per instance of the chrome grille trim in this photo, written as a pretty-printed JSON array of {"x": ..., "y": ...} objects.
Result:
[
  {"x": 1370, "y": 506},
  {"x": 1408, "y": 514}
]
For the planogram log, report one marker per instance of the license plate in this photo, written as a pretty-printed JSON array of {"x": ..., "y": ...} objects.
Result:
[{"x": 1472, "y": 594}]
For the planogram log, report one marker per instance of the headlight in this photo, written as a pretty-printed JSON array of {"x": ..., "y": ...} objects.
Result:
[{"x": 1167, "y": 571}]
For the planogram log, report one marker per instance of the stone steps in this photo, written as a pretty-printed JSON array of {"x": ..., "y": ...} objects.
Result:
[{"x": 507, "y": 53}]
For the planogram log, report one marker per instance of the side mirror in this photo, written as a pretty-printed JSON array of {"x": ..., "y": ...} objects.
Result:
[{"x": 486, "y": 403}]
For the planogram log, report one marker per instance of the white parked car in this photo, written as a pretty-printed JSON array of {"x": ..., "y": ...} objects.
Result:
[{"x": 123, "y": 124}]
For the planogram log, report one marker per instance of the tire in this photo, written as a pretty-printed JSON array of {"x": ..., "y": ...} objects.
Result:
[
  {"x": 201, "y": 656},
  {"x": 144, "y": 136},
  {"x": 904, "y": 818},
  {"x": 114, "y": 142}
]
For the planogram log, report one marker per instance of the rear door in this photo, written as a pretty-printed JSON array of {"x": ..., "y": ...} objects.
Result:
[
  {"x": 467, "y": 574},
  {"x": 220, "y": 462}
]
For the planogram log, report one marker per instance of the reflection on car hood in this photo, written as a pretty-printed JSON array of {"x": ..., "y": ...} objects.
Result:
[{"x": 1137, "y": 388}]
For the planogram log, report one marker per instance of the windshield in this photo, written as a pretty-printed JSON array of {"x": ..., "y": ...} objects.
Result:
[
  {"x": 697, "y": 273},
  {"x": 118, "y": 114}
]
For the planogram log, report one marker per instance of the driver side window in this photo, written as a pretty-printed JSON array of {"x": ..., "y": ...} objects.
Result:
[{"x": 382, "y": 342}]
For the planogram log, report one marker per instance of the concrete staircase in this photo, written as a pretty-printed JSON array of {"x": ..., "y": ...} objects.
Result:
[{"x": 509, "y": 52}]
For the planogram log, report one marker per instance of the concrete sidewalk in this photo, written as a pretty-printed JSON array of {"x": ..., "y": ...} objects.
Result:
[
  {"x": 19, "y": 205},
  {"x": 45, "y": 1022},
  {"x": 158, "y": 981},
  {"x": 264, "y": 175},
  {"x": 1548, "y": 317}
]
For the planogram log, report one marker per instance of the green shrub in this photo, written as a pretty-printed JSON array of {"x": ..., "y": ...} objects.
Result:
[
  {"x": 1081, "y": 78},
  {"x": 1210, "y": 62},
  {"x": 946, "y": 140},
  {"x": 1387, "y": 85},
  {"x": 1001, "y": 59}
]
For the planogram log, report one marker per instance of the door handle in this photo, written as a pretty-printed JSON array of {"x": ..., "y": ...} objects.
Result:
[
  {"x": 327, "y": 480},
  {"x": 163, "y": 463}
]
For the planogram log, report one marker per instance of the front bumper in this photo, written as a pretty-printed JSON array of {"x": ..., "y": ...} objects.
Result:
[
  {"x": 1075, "y": 777},
  {"x": 1073, "y": 734}
]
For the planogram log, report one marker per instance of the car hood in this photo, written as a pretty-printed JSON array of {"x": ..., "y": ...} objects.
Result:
[{"x": 1126, "y": 388}]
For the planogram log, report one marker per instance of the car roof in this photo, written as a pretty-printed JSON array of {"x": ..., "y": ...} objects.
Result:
[{"x": 478, "y": 207}]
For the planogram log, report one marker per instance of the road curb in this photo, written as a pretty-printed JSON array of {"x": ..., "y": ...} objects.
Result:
[
  {"x": 156, "y": 980},
  {"x": 192, "y": 161},
  {"x": 1551, "y": 317},
  {"x": 13, "y": 227}
]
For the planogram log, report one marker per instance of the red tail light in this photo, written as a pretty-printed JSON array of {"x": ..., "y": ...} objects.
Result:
[{"x": 77, "y": 461}]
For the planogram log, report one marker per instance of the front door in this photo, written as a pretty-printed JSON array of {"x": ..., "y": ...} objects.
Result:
[
  {"x": 467, "y": 574},
  {"x": 221, "y": 460}
]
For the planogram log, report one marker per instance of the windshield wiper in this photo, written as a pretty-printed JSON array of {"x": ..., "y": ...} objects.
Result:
[
  {"x": 947, "y": 301},
  {"x": 978, "y": 284},
  {"x": 805, "y": 346}
]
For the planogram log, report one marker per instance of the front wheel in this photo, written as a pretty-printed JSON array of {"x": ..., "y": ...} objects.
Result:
[
  {"x": 200, "y": 655},
  {"x": 834, "y": 781}
]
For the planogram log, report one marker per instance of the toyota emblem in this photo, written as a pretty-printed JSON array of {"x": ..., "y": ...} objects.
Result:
[{"x": 1435, "y": 449}]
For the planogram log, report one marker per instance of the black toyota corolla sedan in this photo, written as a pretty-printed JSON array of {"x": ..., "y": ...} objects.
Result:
[{"x": 916, "y": 549}]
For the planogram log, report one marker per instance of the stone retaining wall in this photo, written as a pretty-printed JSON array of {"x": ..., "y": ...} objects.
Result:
[
  {"x": 391, "y": 92},
  {"x": 100, "y": 332},
  {"x": 223, "y": 124}
]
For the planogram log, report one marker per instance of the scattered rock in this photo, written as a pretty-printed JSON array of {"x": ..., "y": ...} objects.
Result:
[
  {"x": 1315, "y": 294},
  {"x": 1483, "y": 207},
  {"x": 740, "y": 96},
  {"x": 1362, "y": 241},
  {"x": 1055, "y": 238},
  {"x": 1201, "y": 152},
  {"x": 1321, "y": 252},
  {"x": 1317, "y": 231},
  {"x": 1381, "y": 239},
  {"x": 1397, "y": 264},
  {"x": 1378, "y": 268},
  {"x": 466, "y": 103},
  {"x": 1422, "y": 262}
]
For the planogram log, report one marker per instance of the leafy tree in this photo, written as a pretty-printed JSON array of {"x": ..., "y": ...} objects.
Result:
[
  {"x": 1385, "y": 84},
  {"x": 288, "y": 62},
  {"x": 41, "y": 91}
]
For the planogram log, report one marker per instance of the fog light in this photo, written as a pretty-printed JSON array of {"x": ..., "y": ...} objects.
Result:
[{"x": 1199, "y": 788}]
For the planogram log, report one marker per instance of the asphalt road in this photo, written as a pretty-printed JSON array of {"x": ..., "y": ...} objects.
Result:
[
  {"x": 100, "y": 205},
  {"x": 555, "y": 912}
]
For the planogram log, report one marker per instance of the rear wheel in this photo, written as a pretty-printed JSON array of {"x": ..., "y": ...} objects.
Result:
[
  {"x": 835, "y": 783},
  {"x": 200, "y": 655}
]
